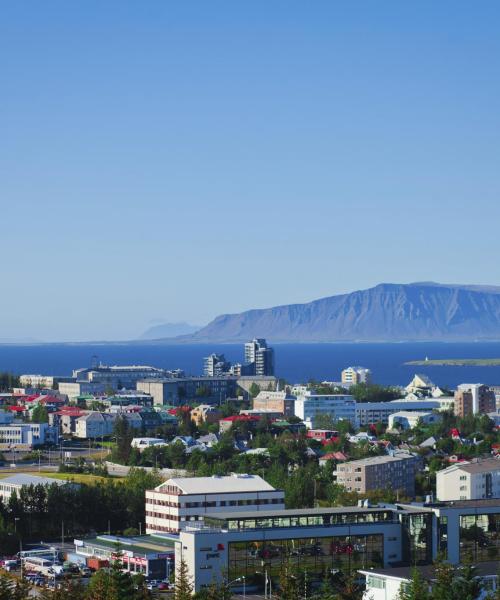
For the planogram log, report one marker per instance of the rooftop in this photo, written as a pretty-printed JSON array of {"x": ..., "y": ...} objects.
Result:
[
  {"x": 380, "y": 460},
  {"x": 24, "y": 479},
  {"x": 482, "y": 569},
  {"x": 219, "y": 485}
]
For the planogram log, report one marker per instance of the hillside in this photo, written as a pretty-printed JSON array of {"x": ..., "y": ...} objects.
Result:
[{"x": 386, "y": 312}]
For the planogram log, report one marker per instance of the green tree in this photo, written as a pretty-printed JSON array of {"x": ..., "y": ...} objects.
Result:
[
  {"x": 254, "y": 390},
  {"x": 444, "y": 574},
  {"x": 124, "y": 436},
  {"x": 416, "y": 589},
  {"x": 183, "y": 588},
  {"x": 40, "y": 414},
  {"x": 289, "y": 589},
  {"x": 466, "y": 585},
  {"x": 70, "y": 590}
]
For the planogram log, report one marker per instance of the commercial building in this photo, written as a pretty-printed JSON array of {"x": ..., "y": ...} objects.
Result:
[
  {"x": 176, "y": 391},
  {"x": 473, "y": 399},
  {"x": 14, "y": 483},
  {"x": 258, "y": 545},
  {"x": 279, "y": 402},
  {"x": 149, "y": 555},
  {"x": 379, "y": 412},
  {"x": 182, "y": 501},
  {"x": 407, "y": 419},
  {"x": 259, "y": 358},
  {"x": 469, "y": 480},
  {"x": 380, "y": 473},
  {"x": 310, "y": 406},
  {"x": 356, "y": 375}
]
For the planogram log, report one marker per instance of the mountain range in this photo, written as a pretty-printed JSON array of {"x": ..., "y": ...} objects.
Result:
[
  {"x": 168, "y": 330},
  {"x": 387, "y": 312}
]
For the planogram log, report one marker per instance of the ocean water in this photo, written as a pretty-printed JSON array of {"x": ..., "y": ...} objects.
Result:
[{"x": 294, "y": 362}]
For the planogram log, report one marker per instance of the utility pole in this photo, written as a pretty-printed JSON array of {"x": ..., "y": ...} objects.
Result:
[{"x": 62, "y": 534}]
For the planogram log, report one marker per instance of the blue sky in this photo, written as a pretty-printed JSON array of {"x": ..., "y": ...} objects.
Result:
[{"x": 173, "y": 161}]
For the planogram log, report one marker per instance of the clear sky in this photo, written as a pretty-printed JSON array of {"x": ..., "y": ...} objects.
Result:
[{"x": 166, "y": 161}]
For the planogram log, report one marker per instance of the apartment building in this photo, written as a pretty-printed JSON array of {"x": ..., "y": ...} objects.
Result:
[
  {"x": 473, "y": 480},
  {"x": 94, "y": 425},
  {"x": 310, "y": 406},
  {"x": 474, "y": 398},
  {"x": 380, "y": 472},
  {"x": 278, "y": 402},
  {"x": 355, "y": 375},
  {"x": 215, "y": 365},
  {"x": 205, "y": 413},
  {"x": 259, "y": 357},
  {"x": 184, "y": 501}
]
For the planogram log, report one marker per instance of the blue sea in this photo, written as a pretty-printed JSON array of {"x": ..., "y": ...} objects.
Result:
[{"x": 294, "y": 362}]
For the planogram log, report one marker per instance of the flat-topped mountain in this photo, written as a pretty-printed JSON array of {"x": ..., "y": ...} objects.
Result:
[{"x": 386, "y": 312}]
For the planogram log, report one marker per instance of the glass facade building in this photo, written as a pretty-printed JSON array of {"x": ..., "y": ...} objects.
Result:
[
  {"x": 312, "y": 557},
  {"x": 480, "y": 537}
]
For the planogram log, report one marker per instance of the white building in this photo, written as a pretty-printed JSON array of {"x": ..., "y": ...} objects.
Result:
[
  {"x": 147, "y": 442},
  {"x": 379, "y": 412},
  {"x": 355, "y": 375},
  {"x": 16, "y": 482},
  {"x": 27, "y": 434},
  {"x": 386, "y": 584},
  {"x": 180, "y": 501},
  {"x": 337, "y": 406},
  {"x": 406, "y": 419},
  {"x": 94, "y": 425},
  {"x": 469, "y": 481}
]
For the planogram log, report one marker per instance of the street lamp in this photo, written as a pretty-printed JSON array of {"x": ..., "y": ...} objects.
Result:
[{"x": 242, "y": 578}]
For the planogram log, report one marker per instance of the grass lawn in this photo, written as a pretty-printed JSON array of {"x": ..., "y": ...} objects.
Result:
[{"x": 76, "y": 477}]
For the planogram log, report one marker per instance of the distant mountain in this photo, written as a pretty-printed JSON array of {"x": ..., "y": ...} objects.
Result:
[
  {"x": 386, "y": 312},
  {"x": 168, "y": 330}
]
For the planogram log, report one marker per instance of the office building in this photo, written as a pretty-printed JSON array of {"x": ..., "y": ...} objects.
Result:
[
  {"x": 258, "y": 545},
  {"x": 472, "y": 480},
  {"x": 473, "y": 399},
  {"x": 215, "y": 365},
  {"x": 259, "y": 357},
  {"x": 24, "y": 436},
  {"x": 182, "y": 501},
  {"x": 368, "y": 413},
  {"x": 380, "y": 473},
  {"x": 356, "y": 375},
  {"x": 339, "y": 407}
]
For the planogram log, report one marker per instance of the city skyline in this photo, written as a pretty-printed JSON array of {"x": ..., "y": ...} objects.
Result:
[{"x": 157, "y": 162}]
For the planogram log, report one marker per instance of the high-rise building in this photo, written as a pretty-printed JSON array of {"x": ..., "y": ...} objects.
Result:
[
  {"x": 259, "y": 357},
  {"x": 215, "y": 365},
  {"x": 474, "y": 398}
]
